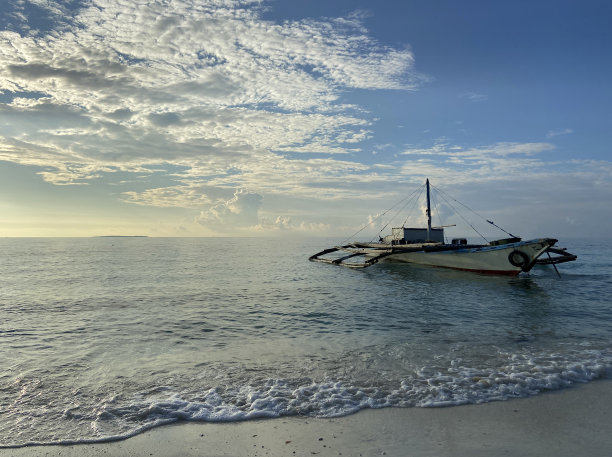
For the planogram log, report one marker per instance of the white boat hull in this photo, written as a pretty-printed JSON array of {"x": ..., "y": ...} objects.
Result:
[{"x": 482, "y": 259}]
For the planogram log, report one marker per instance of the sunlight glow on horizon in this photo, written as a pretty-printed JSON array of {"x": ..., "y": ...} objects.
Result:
[{"x": 250, "y": 118}]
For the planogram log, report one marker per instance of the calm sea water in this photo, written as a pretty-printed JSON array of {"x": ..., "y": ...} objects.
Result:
[{"x": 102, "y": 338}]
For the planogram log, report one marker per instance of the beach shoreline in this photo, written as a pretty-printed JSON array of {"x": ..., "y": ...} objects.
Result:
[{"x": 569, "y": 422}]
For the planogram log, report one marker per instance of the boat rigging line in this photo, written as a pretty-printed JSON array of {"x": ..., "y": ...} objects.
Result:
[
  {"x": 414, "y": 204},
  {"x": 408, "y": 199},
  {"x": 413, "y": 199},
  {"x": 438, "y": 213},
  {"x": 445, "y": 196},
  {"x": 495, "y": 225},
  {"x": 382, "y": 214}
]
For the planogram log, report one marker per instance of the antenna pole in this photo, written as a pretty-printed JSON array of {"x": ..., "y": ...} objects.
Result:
[{"x": 428, "y": 212}]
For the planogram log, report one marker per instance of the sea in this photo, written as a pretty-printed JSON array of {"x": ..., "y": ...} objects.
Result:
[{"x": 103, "y": 338}]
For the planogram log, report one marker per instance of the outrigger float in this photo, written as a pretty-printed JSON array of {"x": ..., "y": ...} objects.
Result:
[{"x": 426, "y": 246}]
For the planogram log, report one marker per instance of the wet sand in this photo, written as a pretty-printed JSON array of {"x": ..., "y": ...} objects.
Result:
[{"x": 571, "y": 422}]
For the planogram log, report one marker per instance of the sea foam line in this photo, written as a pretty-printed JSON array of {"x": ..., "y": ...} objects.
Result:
[{"x": 522, "y": 376}]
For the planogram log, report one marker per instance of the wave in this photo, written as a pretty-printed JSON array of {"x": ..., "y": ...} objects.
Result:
[{"x": 521, "y": 375}]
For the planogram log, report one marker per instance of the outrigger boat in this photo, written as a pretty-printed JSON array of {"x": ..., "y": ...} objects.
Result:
[{"x": 426, "y": 246}]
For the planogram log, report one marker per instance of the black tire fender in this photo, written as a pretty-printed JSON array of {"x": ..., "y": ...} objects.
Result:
[{"x": 518, "y": 258}]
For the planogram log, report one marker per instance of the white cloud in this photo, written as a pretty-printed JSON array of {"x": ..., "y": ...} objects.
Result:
[
  {"x": 237, "y": 213},
  {"x": 493, "y": 162},
  {"x": 473, "y": 96},
  {"x": 204, "y": 84},
  {"x": 170, "y": 197},
  {"x": 554, "y": 133},
  {"x": 286, "y": 224}
]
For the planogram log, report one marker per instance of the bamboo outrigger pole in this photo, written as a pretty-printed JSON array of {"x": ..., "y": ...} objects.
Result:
[{"x": 428, "y": 212}]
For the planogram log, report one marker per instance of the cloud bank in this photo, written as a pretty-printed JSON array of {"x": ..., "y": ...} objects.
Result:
[
  {"x": 205, "y": 85},
  {"x": 225, "y": 110},
  {"x": 203, "y": 82}
]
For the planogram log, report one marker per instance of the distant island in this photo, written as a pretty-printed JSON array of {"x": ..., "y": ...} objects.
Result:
[{"x": 121, "y": 236}]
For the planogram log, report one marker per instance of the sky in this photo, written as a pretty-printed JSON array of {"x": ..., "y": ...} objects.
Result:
[{"x": 311, "y": 118}]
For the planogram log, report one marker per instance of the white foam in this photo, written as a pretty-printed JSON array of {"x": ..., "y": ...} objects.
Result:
[
  {"x": 450, "y": 383},
  {"x": 459, "y": 384}
]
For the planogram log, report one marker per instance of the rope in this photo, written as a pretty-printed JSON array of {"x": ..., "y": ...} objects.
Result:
[
  {"x": 380, "y": 216},
  {"x": 471, "y": 210},
  {"x": 494, "y": 224},
  {"x": 461, "y": 215},
  {"x": 416, "y": 200},
  {"x": 437, "y": 210},
  {"x": 408, "y": 199}
]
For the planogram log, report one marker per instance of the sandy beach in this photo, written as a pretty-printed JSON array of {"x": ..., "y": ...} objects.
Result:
[{"x": 570, "y": 422}]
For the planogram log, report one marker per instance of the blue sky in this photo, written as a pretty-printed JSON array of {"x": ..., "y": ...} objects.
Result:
[{"x": 248, "y": 118}]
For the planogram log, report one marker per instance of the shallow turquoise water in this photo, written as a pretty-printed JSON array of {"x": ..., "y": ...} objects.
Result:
[{"x": 104, "y": 337}]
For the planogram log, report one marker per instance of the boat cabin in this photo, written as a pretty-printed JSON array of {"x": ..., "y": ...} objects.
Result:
[{"x": 403, "y": 235}]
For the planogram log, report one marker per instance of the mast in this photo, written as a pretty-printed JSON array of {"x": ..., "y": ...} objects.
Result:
[{"x": 428, "y": 212}]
